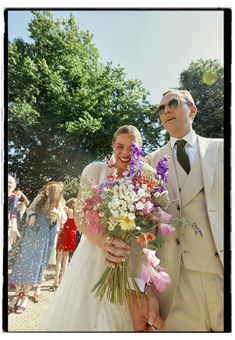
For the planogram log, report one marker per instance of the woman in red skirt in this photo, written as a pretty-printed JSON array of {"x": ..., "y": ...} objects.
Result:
[{"x": 66, "y": 242}]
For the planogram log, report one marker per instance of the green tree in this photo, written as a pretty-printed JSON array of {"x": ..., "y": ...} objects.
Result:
[
  {"x": 205, "y": 80},
  {"x": 64, "y": 105}
]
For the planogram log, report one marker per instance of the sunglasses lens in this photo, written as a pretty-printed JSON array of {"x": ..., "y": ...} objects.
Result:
[
  {"x": 173, "y": 104},
  {"x": 160, "y": 110}
]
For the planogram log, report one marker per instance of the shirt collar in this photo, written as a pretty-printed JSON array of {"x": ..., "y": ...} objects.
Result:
[{"x": 190, "y": 138}]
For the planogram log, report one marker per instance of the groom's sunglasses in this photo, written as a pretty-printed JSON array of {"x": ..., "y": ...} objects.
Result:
[{"x": 172, "y": 104}]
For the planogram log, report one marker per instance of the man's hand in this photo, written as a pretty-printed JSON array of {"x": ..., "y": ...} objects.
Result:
[
  {"x": 145, "y": 312},
  {"x": 115, "y": 250},
  {"x": 139, "y": 310},
  {"x": 155, "y": 322}
]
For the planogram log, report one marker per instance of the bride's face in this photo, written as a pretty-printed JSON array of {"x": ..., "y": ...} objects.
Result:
[{"x": 122, "y": 147}]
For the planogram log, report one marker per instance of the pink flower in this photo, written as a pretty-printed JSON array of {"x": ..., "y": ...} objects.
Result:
[
  {"x": 148, "y": 208},
  {"x": 158, "y": 277},
  {"x": 166, "y": 228},
  {"x": 90, "y": 203},
  {"x": 151, "y": 258},
  {"x": 93, "y": 222},
  {"x": 145, "y": 274},
  {"x": 161, "y": 216}
]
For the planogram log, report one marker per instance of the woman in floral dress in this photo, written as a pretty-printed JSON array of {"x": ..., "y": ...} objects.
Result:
[{"x": 30, "y": 263}]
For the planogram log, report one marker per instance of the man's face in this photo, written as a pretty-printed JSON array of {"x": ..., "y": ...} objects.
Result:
[{"x": 177, "y": 116}]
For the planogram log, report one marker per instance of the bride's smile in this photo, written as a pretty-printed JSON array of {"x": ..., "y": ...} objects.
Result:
[{"x": 121, "y": 148}]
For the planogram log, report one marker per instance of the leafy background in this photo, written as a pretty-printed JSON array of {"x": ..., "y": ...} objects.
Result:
[{"x": 64, "y": 105}]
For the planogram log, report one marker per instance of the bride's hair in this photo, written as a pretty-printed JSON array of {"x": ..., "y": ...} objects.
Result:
[{"x": 131, "y": 129}]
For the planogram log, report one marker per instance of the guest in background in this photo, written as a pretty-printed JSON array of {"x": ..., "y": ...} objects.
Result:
[
  {"x": 13, "y": 232},
  {"x": 43, "y": 214},
  {"x": 21, "y": 205},
  {"x": 66, "y": 241}
]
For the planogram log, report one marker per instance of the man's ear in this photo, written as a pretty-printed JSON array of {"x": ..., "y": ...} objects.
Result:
[{"x": 193, "y": 111}]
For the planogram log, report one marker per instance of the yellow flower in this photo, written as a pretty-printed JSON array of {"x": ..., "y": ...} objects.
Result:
[{"x": 126, "y": 223}]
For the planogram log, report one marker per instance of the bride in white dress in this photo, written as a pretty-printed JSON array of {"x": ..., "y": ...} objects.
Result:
[{"x": 74, "y": 307}]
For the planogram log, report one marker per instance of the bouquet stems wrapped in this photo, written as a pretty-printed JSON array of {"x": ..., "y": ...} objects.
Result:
[{"x": 114, "y": 283}]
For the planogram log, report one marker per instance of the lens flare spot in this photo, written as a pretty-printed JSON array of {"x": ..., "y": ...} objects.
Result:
[{"x": 209, "y": 77}]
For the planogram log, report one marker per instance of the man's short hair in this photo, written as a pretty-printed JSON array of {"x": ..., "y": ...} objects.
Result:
[{"x": 183, "y": 94}]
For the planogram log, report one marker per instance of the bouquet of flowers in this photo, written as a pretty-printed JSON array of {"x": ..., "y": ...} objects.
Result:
[{"x": 130, "y": 208}]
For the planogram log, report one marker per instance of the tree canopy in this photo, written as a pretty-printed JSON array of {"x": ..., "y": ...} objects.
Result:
[
  {"x": 65, "y": 105},
  {"x": 205, "y": 80}
]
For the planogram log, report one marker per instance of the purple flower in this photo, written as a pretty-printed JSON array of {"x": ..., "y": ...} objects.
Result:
[
  {"x": 162, "y": 168},
  {"x": 136, "y": 164},
  {"x": 160, "y": 189}
]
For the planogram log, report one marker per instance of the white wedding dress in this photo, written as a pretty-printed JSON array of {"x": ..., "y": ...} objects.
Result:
[{"x": 74, "y": 307}]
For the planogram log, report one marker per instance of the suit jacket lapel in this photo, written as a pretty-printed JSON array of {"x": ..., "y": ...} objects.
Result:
[
  {"x": 193, "y": 183},
  {"x": 208, "y": 154},
  {"x": 172, "y": 184}
]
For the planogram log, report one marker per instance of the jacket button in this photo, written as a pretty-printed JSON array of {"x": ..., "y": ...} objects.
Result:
[
  {"x": 177, "y": 241},
  {"x": 216, "y": 254}
]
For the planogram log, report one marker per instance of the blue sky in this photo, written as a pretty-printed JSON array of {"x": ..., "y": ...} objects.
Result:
[{"x": 154, "y": 46}]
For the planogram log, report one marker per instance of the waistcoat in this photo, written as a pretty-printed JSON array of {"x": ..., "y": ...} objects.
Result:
[{"x": 198, "y": 253}]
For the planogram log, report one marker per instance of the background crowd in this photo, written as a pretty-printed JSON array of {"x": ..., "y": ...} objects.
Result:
[{"x": 41, "y": 234}]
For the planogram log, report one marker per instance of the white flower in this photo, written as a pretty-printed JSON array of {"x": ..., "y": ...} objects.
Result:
[
  {"x": 111, "y": 225},
  {"x": 131, "y": 207},
  {"x": 110, "y": 205},
  {"x": 131, "y": 216},
  {"x": 122, "y": 204},
  {"x": 139, "y": 206},
  {"x": 115, "y": 213},
  {"x": 122, "y": 190},
  {"x": 142, "y": 192},
  {"x": 156, "y": 194}
]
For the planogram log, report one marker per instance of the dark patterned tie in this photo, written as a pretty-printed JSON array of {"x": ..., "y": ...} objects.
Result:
[{"x": 182, "y": 156}]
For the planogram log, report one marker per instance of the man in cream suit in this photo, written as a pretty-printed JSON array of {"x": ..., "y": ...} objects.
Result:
[{"x": 194, "y": 299}]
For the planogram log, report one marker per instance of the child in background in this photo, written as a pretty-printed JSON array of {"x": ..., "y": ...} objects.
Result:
[{"x": 66, "y": 242}]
